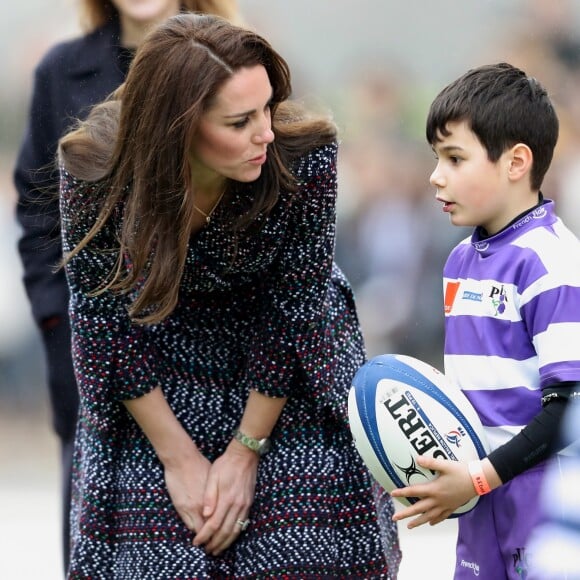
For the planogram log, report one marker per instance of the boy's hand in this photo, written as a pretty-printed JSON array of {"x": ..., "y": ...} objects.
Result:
[{"x": 438, "y": 498}]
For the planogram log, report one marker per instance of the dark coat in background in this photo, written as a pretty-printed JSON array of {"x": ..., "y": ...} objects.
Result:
[{"x": 72, "y": 76}]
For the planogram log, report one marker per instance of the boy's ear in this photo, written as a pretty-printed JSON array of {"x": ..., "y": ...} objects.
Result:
[{"x": 520, "y": 161}]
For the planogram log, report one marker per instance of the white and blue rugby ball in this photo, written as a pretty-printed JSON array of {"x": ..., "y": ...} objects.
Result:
[{"x": 400, "y": 407}]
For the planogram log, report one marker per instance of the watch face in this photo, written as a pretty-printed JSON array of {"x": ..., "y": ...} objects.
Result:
[
  {"x": 253, "y": 444},
  {"x": 259, "y": 446}
]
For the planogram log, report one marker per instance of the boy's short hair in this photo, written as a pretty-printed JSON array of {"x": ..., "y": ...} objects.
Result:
[{"x": 502, "y": 106}]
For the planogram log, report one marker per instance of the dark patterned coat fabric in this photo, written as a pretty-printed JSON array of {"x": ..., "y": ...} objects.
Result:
[{"x": 271, "y": 312}]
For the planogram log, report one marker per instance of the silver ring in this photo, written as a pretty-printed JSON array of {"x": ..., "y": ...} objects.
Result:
[{"x": 243, "y": 524}]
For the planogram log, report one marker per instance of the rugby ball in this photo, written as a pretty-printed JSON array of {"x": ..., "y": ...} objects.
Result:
[{"x": 400, "y": 407}]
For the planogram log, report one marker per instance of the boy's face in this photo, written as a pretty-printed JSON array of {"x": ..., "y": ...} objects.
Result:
[{"x": 473, "y": 190}]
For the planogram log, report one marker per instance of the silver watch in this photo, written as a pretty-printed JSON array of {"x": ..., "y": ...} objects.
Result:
[{"x": 259, "y": 446}]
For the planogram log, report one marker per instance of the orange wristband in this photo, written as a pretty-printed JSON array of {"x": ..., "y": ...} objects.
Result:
[{"x": 478, "y": 477}]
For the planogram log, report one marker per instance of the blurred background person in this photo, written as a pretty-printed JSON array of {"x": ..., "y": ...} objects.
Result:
[
  {"x": 72, "y": 76},
  {"x": 390, "y": 238},
  {"x": 556, "y": 542}
]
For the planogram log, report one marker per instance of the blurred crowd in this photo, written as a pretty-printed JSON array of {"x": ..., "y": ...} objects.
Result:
[{"x": 392, "y": 237}]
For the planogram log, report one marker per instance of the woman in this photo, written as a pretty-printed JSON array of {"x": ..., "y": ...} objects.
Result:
[
  {"x": 214, "y": 339},
  {"x": 73, "y": 76}
]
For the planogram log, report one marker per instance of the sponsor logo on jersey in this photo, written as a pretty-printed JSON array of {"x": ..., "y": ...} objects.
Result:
[
  {"x": 520, "y": 561},
  {"x": 471, "y": 565},
  {"x": 537, "y": 214},
  {"x": 498, "y": 299},
  {"x": 481, "y": 246},
  {"x": 451, "y": 289},
  {"x": 474, "y": 296}
]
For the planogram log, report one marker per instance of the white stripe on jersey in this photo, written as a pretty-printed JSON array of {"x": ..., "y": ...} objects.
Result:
[
  {"x": 488, "y": 373},
  {"x": 564, "y": 269},
  {"x": 498, "y": 436},
  {"x": 473, "y": 299},
  {"x": 558, "y": 343}
]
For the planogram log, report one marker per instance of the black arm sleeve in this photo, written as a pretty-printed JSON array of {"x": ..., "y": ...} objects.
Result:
[{"x": 539, "y": 439}]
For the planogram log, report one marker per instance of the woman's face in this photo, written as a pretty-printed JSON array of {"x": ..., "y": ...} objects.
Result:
[
  {"x": 233, "y": 135},
  {"x": 141, "y": 12}
]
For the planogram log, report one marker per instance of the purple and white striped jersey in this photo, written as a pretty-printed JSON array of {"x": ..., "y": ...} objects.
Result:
[{"x": 512, "y": 318}]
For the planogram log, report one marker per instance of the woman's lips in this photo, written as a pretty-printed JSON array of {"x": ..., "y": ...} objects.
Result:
[{"x": 260, "y": 160}]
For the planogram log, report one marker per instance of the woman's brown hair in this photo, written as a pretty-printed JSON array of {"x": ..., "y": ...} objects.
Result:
[
  {"x": 137, "y": 145},
  {"x": 96, "y": 13}
]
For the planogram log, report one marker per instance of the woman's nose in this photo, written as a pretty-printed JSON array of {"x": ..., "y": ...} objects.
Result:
[
  {"x": 264, "y": 134},
  {"x": 268, "y": 135}
]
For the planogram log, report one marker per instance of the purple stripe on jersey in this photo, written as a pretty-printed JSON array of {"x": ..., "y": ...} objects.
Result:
[
  {"x": 487, "y": 336},
  {"x": 559, "y": 372},
  {"x": 513, "y": 406},
  {"x": 509, "y": 269},
  {"x": 560, "y": 304},
  {"x": 460, "y": 256}
]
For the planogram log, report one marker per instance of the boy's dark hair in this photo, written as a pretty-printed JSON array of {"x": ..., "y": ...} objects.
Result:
[{"x": 502, "y": 106}]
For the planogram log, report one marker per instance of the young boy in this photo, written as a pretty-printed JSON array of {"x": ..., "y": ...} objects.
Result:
[{"x": 512, "y": 311}]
